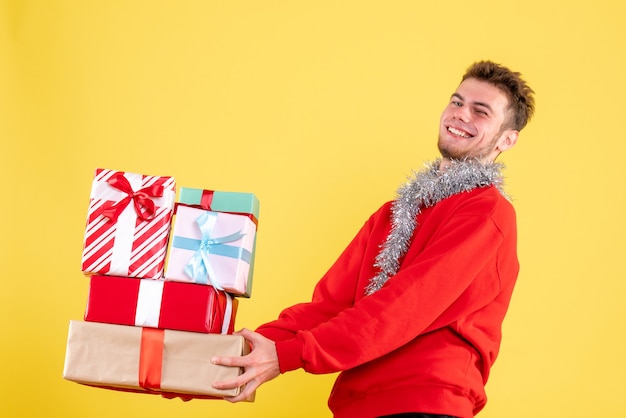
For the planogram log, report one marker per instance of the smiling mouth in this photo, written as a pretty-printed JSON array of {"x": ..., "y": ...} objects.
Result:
[{"x": 458, "y": 132}]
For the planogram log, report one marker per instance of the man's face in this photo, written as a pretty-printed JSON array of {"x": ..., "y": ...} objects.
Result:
[{"x": 472, "y": 123}]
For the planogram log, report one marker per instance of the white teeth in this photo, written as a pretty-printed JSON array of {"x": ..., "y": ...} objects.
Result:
[{"x": 459, "y": 133}]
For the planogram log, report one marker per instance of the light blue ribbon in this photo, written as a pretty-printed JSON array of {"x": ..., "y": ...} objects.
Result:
[{"x": 199, "y": 266}]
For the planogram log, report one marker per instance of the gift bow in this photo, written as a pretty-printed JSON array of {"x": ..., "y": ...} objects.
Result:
[
  {"x": 199, "y": 266},
  {"x": 144, "y": 205}
]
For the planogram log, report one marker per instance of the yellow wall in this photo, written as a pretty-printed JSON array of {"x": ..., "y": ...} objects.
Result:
[{"x": 321, "y": 108}]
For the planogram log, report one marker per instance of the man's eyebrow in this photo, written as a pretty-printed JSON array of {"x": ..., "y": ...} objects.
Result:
[
  {"x": 458, "y": 96},
  {"x": 484, "y": 105}
]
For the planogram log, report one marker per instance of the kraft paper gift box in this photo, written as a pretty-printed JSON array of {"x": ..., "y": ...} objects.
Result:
[
  {"x": 128, "y": 224},
  {"x": 211, "y": 248},
  {"x": 150, "y": 360},
  {"x": 160, "y": 304}
]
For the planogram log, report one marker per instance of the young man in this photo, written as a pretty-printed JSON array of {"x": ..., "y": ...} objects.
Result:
[{"x": 411, "y": 311}]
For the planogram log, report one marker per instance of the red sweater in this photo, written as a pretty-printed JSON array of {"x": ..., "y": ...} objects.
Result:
[{"x": 426, "y": 340}]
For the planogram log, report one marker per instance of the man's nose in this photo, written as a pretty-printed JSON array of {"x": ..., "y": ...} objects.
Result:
[{"x": 461, "y": 114}]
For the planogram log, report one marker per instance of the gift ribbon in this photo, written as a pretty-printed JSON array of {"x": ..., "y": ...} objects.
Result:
[
  {"x": 149, "y": 298},
  {"x": 228, "y": 313},
  {"x": 144, "y": 205},
  {"x": 206, "y": 202},
  {"x": 151, "y": 358},
  {"x": 199, "y": 266}
]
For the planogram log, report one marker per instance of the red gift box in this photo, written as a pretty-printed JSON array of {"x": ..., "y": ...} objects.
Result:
[
  {"x": 160, "y": 304},
  {"x": 128, "y": 224}
]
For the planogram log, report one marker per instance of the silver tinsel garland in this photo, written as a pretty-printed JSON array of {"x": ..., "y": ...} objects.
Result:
[{"x": 427, "y": 188}]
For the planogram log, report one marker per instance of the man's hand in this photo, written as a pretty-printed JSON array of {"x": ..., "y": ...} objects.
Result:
[{"x": 260, "y": 365}]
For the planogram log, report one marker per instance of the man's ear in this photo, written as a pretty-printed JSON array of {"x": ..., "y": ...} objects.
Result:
[{"x": 507, "y": 140}]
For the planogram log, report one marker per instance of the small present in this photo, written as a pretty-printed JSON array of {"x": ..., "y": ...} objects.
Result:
[
  {"x": 150, "y": 360},
  {"x": 218, "y": 201},
  {"x": 160, "y": 304},
  {"x": 227, "y": 202},
  {"x": 128, "y": 224},
  {"x": 212, "y": 248}
]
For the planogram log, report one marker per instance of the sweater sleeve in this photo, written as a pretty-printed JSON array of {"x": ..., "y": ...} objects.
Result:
[
  {"x": 429, "y": 291},
  {"x": 334, "y": 292}
]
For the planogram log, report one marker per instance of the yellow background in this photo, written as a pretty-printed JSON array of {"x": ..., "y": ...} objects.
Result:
[{"x": 320, "y": 108}]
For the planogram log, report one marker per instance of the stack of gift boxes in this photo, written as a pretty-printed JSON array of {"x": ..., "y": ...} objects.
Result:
[{"x": 164, "y": 276}]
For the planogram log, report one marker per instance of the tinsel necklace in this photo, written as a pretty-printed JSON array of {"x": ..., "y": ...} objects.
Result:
[{"x": 427, "y": 188}]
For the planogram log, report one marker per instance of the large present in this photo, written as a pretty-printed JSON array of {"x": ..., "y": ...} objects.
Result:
[
  {"x": 150, "y": 360},
  {"x": 128, "y": 224},
  {"x": 219, "y": 201},
  {"x": 212, "y": 248},
  {"x": 160, "y": 304}
]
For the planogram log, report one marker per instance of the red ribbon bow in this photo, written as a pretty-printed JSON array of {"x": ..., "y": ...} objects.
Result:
[{"x": 144, "y": 205}]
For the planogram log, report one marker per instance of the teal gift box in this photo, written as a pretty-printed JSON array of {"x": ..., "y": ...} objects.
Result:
[
  {"x": 237, "y": 203},
  {"x": 217, "y": 201}
]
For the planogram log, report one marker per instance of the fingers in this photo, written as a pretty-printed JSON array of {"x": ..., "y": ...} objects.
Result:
[
  {"x": 244, "y": 395},
  {"x": 238, "y": 381},
  {"x": 230, "y": 384},
  {"x": 246, "y": 381},
  {"x": 260, "y": 365},
  {"x": 247, "y": 334},
  {"x": 239, "y": 361},
  {"x": 250, "y": 336}
]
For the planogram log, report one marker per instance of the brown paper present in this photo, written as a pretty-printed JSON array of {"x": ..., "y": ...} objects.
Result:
[{"x": 150, "y": 360}]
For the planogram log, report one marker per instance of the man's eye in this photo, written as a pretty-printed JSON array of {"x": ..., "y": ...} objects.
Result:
[{"x": 458, "y": 104}]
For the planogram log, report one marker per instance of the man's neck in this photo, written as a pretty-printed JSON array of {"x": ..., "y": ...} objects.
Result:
[{"x": 446, "y": 162}]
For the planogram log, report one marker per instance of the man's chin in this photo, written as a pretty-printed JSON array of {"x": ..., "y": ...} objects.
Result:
[{"x": 451, "y": 154}]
